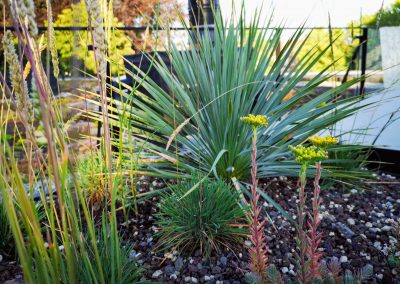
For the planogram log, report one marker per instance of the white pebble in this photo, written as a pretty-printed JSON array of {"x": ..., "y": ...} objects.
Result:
[
  {"x": 157, "y": 274},
  {"x": 351, "y": 221},
  {"x": 343, "y": 259}
]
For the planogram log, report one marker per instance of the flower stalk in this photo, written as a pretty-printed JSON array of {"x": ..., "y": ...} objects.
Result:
[
  {"x": 308, "y": 241},
  {"x": 258, "y": 251},
  {"x": 314, "y": 238}
]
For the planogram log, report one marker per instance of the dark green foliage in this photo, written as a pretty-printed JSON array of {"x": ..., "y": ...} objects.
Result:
[
  {"x": 6, "y": 238},
  {"x": 129, "y": 270},
  {"x": 208, "y": 218}
]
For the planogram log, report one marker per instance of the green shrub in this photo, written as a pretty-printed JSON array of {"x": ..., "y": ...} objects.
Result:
[
  {"x": 73, "y": 45},
  {"x": 208, "y": 218}
]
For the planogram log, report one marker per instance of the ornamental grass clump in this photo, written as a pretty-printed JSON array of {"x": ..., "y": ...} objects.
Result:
[
  {"x": 208, "y": 218},
  {"x": 91, "y": 176},
  {"x": 60, "y": 241},
  {"x": 258, "y": 251}
]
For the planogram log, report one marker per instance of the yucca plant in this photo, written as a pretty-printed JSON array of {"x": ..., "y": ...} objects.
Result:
[{"x": 227, "y": 73}]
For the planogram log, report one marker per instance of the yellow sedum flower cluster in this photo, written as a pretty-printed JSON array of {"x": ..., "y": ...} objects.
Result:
[
  {"x": 323, "y": 142},
  {"x": 255, "y": 120},
  {"x": 310, "y": 154}
]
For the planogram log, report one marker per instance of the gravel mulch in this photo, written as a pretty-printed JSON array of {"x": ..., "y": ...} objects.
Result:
[{"x": 358, "y": 226}]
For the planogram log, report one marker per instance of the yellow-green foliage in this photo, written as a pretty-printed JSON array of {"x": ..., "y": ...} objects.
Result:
[
  {"x": 74, "y": 44},
  {"x": 341, "y": 46},
  {"x": 91, "y": 178}
]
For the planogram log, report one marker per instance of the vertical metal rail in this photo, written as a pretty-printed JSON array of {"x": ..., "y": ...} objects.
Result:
[{"x": 363, "y": 49}]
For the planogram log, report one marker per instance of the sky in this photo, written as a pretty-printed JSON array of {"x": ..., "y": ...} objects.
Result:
[{"x": 314, "y": 12}]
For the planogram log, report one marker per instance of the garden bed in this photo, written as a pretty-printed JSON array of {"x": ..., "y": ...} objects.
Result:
[{"x": 358, "y": 228}]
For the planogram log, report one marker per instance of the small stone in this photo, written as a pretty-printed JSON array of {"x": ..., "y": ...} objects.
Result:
[
  {"x": 351, "y": 221},
  {"x": 223, "y": 260},
  {"x": 247, "y": 243},
  {"x": 169, "y": 269},
  {"x": 375, "y": 230},
  {"x": 354, "y": 191},
  {"x": 368, "y": 225},
  {"x": 379, "y": 276},
  {"x": 207, "y": 278},
  {"x": 179, "y": 263},
  {"x": 173, "y": 276},
  {"x": 1, "y": 258},
  {"x": 156, "y": 274},
  {"x": 344, "y": 230},
  {"x": 343, "y": 259},
  {"x": 285, "y": 270},
  {"x": 386, "y": 228},
  {"x": 377, "y": 245}
]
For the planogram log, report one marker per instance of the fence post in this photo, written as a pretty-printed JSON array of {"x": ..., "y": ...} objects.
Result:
[{"x": 364, "y": 50}]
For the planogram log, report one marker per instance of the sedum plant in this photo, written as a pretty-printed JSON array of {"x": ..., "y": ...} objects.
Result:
[
  {"x": 208, "y": 218},
  {"x": 258, "y": 251},
  {"x": 308, "y": 241}
]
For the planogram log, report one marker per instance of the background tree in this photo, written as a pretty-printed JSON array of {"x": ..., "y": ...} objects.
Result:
[
  {"x": 387, "y": 17},
  {"x": 71, "y": 46},
  {"x": 341, "y": 49}
]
